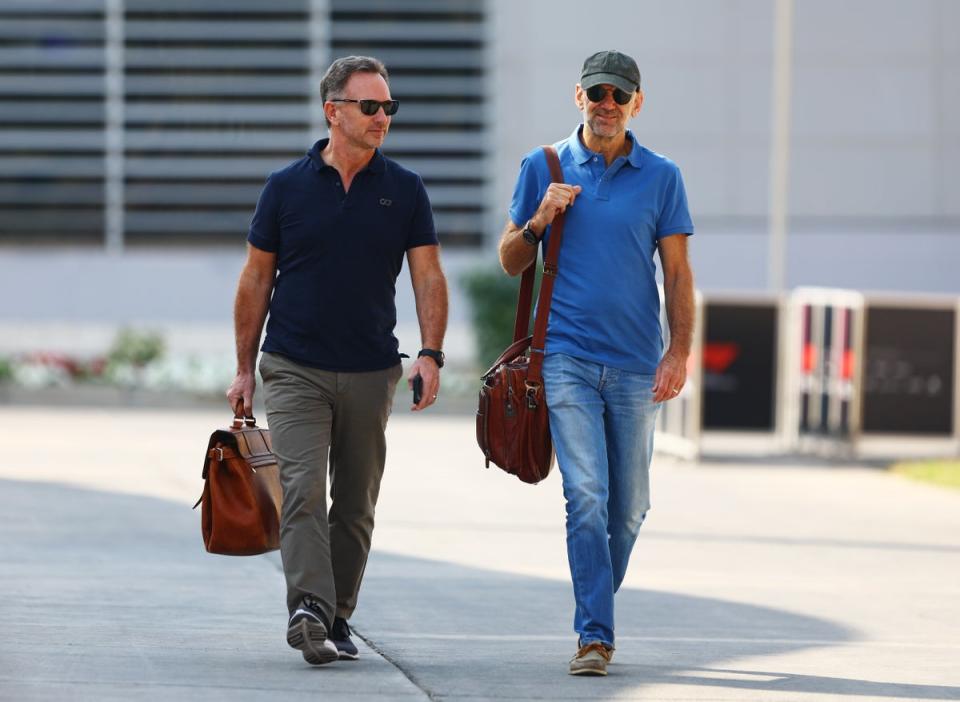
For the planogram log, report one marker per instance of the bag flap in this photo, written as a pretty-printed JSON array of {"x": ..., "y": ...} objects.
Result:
[
  {"x": 220, "y": 436},
  {"x": 251, "y": 443},
  {"x": 254, "y": 444}
]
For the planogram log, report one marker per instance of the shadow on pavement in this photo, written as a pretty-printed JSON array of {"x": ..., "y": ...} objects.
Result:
[
  {"x": 111, "y": 596},
  {"x": 464, "y": 633},
  {"x": 107, "y": 596},
  {"x": 781, "y": 682}
]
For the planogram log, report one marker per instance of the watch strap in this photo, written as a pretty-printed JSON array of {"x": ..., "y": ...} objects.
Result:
[
  {"x": 533, "y": 234},
  {"x": 435, "y": 354}
]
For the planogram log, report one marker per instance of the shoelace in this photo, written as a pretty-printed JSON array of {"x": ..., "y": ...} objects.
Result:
[
  {"x": 313, "y": 604},
  {"x": 594, "y": 646}
]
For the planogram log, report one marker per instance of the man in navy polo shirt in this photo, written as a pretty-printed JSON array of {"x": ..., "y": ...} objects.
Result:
[
  {"x": 605, "y": 372},
  {"x": 326, "y": 245}
]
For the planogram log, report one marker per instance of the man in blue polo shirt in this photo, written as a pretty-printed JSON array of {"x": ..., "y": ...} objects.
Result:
[
  {"x": 605, "y": 372},
  {"x": 326, "y": 245}
]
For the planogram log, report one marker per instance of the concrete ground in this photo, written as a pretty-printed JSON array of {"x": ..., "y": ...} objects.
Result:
[{"x": 750, "y": 581}]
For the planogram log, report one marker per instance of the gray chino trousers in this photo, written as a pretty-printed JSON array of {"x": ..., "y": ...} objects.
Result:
[{"x": 315, "y": 414}]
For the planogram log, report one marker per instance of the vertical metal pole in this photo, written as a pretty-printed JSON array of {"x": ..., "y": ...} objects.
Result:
[
  {"x": 113, "y": 125},
  {"x": 780, "y": 146},
  {"x": 319, "y": 60}
]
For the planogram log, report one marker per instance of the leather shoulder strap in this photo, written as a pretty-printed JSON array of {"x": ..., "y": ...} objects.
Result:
[
  {"x": 521, "y": 324},
  {"x": 534, "y": 372}
]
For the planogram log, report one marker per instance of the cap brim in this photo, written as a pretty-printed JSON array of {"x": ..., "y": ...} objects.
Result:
[{"x": 610, "y": 79}]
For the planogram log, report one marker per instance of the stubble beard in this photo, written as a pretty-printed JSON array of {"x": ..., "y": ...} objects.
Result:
[{"x": 606, "y": 130}]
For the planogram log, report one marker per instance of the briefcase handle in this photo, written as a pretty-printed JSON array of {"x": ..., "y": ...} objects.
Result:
[
  {"x": 250, "y": 421},
  {"x": 239, "y": 420}
]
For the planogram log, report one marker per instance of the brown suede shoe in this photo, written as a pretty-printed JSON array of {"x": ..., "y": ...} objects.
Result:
[{"x": 591, "y": 659}]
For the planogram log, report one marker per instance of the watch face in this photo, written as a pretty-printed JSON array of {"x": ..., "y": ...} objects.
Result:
[{"x": 529, "y": 236}]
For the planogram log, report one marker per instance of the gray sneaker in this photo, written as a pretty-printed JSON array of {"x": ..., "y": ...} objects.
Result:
[
  {"x": 307, "y": 632},
  {"x": 591, "y": 659}
]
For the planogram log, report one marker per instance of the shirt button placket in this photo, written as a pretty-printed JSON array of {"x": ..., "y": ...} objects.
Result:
[{"x": 598, "y": 176}]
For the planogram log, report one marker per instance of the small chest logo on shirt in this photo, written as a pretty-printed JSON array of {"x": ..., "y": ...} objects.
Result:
[{"x": 385, "y": 202}]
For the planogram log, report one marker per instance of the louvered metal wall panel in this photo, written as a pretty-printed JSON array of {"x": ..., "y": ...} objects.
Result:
[
  {"x": 217, "y": 95},
  {"x": 157, "y": 121},
  {"x": 434, "y": 50},
  {"x": 51, "y": 121}
]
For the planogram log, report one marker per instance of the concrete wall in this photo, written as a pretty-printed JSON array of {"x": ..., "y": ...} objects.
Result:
[
  {"x": 875, "y": 185},
  {"x": 74, "y": 301}
]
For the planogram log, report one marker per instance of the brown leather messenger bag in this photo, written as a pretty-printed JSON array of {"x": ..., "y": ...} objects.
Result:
[{"x": 513, "y": 427}]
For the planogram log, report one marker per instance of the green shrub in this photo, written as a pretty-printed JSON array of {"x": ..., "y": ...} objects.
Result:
[
  {"x": 136, "y": 348},
  {"x": 6, "y": 369},
  {"x": 493, "y": 308}
]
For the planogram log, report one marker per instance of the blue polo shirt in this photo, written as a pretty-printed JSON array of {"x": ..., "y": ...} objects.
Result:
[
  {"x": 605, "y": 305},
  {"x": 338, "y": 257}
]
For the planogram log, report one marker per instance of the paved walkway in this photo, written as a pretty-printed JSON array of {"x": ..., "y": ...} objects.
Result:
[{"x": 749, "y": 582}]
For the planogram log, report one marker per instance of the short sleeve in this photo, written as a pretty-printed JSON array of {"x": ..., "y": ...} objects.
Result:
[
  {"x": 530, "y": 187},
  {"x": 422, "y": 232},
  {"x": 674, "y": 215},
  {"x": 265, "y": 227}
]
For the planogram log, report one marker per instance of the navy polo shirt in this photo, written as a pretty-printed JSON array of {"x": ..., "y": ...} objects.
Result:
[
  {"x": 605, "y": 306},
  {"x": 338, "y": 257}
]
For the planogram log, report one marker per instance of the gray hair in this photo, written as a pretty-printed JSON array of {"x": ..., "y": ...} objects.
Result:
[{"x": 336, "y": 77}]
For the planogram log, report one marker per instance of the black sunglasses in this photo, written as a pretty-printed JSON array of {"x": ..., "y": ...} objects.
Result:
[
  {"x": 370, "y": 107},
  {"x": 597, "y": 93}
]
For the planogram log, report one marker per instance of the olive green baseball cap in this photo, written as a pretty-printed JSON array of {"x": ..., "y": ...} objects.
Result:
[{"x": 611, "y": 67}]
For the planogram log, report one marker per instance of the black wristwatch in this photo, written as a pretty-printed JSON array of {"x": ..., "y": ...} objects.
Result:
[
  {"x": 529, "y": 235},
  {"x": 435, "y": 354}
]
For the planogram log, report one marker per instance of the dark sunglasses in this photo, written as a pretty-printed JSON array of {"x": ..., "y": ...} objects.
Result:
[
  {"x": 370, "y": 107},
  {"x": 597, "y": 93}
]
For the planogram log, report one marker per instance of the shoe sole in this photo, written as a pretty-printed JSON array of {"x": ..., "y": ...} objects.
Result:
[
  {"x": 309, "y": 637},
  {"x": 344, "y": 656},
  {"x": 588, "y": 673}
]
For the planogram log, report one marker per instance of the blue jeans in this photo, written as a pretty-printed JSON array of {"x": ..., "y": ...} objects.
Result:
[{"x": 602, "y": 421}]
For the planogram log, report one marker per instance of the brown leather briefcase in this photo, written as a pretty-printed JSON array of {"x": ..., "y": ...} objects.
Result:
[
  {"x": 241, "y": 496},
  {"x": 513, "y": 427}
]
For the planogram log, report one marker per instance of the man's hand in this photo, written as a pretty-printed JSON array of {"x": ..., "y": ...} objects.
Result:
[
  {"x": 557, "y": 199},
  {"x": 670, "y": 377},
  {"x": 240, "y": 394},
  {"x": 427, "y": 368},
  {"x": 515, "y": 253}
]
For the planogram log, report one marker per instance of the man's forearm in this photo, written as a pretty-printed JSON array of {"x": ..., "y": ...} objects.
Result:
[
  {"x": 430, "y": 294},
  {"x": 249, "y": 314},
  {"x": 515, "y": 253},
  {"x": 679, "y": 299}
]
